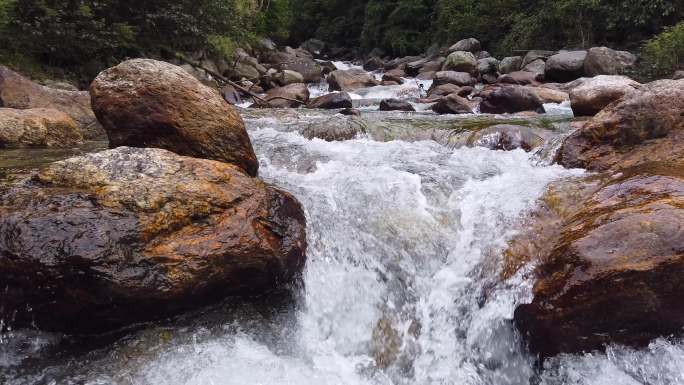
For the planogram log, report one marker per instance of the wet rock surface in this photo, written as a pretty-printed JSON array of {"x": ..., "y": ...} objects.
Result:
[
  {"x": 594, "y": 94},
  {"x": 644, "y": 125},
  {"x": 147, "y": 103},
  {"x": 349, "y": 80},
  {"x": 128, "y": 235},
  {"x": 509, "y": 99},
  {"x": 19, "y": 92},
  {"x": 332, "y": 101},
  {"x": 38, "y": 128}
]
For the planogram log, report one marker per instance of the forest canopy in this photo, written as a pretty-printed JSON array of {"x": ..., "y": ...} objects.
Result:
[{"x": 93, "y": 33}]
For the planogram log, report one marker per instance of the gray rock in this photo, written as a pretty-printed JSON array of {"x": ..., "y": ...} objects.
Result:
[
  {"x": 565, "y": 66},
  {"x": 606, "y": 61},
  {"x": 510, "y": 64}
]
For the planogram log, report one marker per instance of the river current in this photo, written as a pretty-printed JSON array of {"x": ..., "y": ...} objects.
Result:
[{"x": 401, "y": 285}]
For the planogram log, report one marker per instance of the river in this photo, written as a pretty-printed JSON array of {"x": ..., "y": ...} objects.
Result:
[{"x": 401, "y": 284}]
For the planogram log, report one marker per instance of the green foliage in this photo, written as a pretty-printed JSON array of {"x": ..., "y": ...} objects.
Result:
[{"x": 665, "y": 52}]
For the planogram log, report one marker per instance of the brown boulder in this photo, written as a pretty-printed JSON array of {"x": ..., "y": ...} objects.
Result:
[
  {"x": 453, "y": 104},
  {"x": 645, "y": 125},
  {"x": 509, "y": 99},
  {"x": 612, "y": 272},
  {"x": 298, "y": 61},
  {"x": 594, "y": 94},
  {"x": 520, "y": 78},
  {"x": 129, "y": 235},
  {"x": 148, "y": 103},
  {"x": 37, "y": 127},
  {"x": 290, "y": 96},
  {"x": 349, "y": 80},
  {"x": 396, "y": 105},
  {"x": 332, "y": 101},
  {"x": 18, "y": 92}
]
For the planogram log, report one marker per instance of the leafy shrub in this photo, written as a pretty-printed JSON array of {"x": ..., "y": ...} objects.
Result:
[{"x": 664, "y": 53}]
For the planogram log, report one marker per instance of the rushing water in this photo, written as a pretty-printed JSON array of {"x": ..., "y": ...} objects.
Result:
[{"x": 401, "y": 284}]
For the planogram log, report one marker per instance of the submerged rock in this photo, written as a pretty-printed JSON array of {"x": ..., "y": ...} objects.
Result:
[
  {"x": 105, "y": 240},
  {"x": 506, "y": 137},
  {"x": 148, "y": 103},
  {"x": 335, "y": 129},
  {"x": 37, "y": 128},
  {"x": 644, "y": 125},
  {"x": 332, "y": 101},
  {"x": 594, "y": 94},
  {"x": 18, "y": 92},
  {"x": 349, "y": 80}
]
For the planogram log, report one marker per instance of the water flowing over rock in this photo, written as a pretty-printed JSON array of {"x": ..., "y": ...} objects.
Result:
[
  {"x": 349, "y": 80},
  {"x": 565, "y": 66},
  {"x": 509, "y": 99},
  {"x": 594, "y": 94},
  {"x": 460, "y": 61},
  {"x": 128, "y": 235},
  {"x": 18, "y": 92},
  {"x": 148, "y": 103},
  {"x": 37, "y": 127},
  {"x": 289, "y": 96},
  {"x": 645, "y": 125},
  {"x": 335, "y": 129},
  {"x": 605, "y": 61},
  {"x": 506, "y": 137},
  {"x": 332, "y": 101}
]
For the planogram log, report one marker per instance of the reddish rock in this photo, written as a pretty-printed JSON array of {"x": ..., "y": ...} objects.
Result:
[
  {"x": 594, "y": 94},
  {"x": 289, "y": 96},
  {"x": 148, "y": 103},
  {"x": 37, "y": 128},
  {"x": 349, "y": 80},
  {"x": 109, "y": 239},
  {"x": 509, "y": 99}
]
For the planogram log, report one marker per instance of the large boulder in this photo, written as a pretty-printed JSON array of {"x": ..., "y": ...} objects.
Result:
[
  {"x": 332, "y": 101},
  {"x": 18, "y": 92},
  {"x": 37, "y": 127},
  {"x": 468, "y": 45},
  {"x": 396, "y": 105},
  {"x": 453, "y": 104},
  {"x": 488, "y": 65},
  {"x": 460, "y": 61},
  {"x": 537, "y": 68},
  {"x": 148, "y": 103},
  {"x": 105, "y": 240},
  {"x": 509, "y": 99},
  {"x": 643, "y": 126},
  {"x": 536, "y": 55},
  {"x": 373, "y": 64},
  {"x": 612, "y": 272},
  {"x": 520, "y": 78},
  {"x": 286, "y": 77},
  {"x": 446, "y": 89},
  {"x": 605, "y": 61},
  {"x": 594, "y": 94},
  {"x": 454, "y": 77},
  {"x": 565, "y": 66},
  {"x": 297, "y": 61},
  {"x": 349, "y": 80},
  {"x": 289, "y": 96},
  {"x": 510, "y": 64}
]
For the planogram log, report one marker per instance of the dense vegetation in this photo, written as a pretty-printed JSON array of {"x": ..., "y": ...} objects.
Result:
[{"x": 88, "y": 34}]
